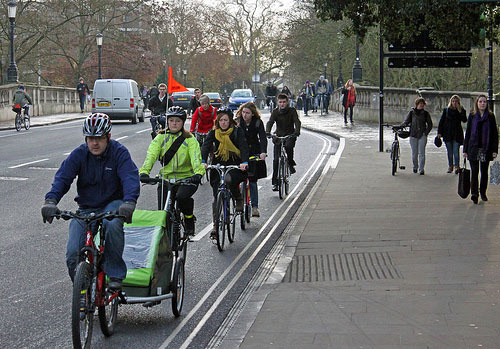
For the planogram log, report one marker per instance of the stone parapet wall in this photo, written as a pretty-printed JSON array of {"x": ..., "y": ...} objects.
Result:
[{"x": 47, "y": 100}]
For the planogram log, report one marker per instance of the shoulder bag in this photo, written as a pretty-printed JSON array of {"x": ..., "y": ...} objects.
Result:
[{"x": 169, "y": 154}]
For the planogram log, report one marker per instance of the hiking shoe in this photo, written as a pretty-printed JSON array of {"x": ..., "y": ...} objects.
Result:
[
  {"x": 275, "y": 187},
  {"x": 255, "y": 212},
  {"x": 450, "y": 169},
  {"x": 115, "y": 284},
  {"x": 189, "y": 225}
]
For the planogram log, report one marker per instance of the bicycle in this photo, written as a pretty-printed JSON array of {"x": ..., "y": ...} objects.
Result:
[
  {"x": 225, "y": 208},
  {"x": 272, "y": 103},
  {"x": 157, "y": 124},
  {"x": 283, "y": 167},
  {"x": 90, "y": 283},
  {"x": 201, "y": 138},
  {"x": 399, "y": 131},
  {"x": 322, "y": 104},
  {"x": 174, "y": 222},
  {"x": 22, "y": 118},
  {"x": 245, "y": 194}
]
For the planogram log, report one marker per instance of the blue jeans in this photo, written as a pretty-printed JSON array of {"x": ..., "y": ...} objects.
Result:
[
  {"x": 254, "y": 194},
  {"x": 82, "y": 102},
  {"x": 453, "y": 149},
  {"x": 418, "y": 152},
  {"x": 114, "y": 266},
  {"x": 306, "y": 101}
]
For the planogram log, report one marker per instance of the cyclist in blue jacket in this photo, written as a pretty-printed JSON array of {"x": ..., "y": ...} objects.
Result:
[{"x": 108, "y": 180}]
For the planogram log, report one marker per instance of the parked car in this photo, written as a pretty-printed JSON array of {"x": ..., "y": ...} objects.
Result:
[
  {"x": 183, "y": 99},
  {"x": 215, "y": 99},
  {"x": 119, "y": 98},
  {"x": 240, "y": 96}
]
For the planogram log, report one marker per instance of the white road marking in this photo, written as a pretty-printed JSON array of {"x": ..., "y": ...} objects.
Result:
[
  {"x": 119, "y": 139},
  {"x": 202, "y": 233},
  {"x": 28, "y": 163},
  {"x": 43, "y": 168},
  {"x": 319, "y": 159},
  {"x": 24, "y": 133},
  {"x": 13, "y": 178},
  {"x": 66, "y": 154},
  {"x": 141, "y": 131}
]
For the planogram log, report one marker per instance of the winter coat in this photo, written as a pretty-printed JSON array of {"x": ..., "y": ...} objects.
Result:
[
  {"x": 450, "y": 125},
  {"x": 158, "y": 107},
  {"x": 203, "y": 120},
  {"x": 472, "y": 150},
  {"x": 237, "y": 137},
  {"x": 21, "y": 98},
  {"x": 420, "y": 122},
  {"x": 287, "y": 121}
]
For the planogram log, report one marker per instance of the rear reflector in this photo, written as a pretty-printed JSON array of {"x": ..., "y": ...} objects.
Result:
[
  {"x": 131, "y": 102},
  {"x": 93, "y": 103}
]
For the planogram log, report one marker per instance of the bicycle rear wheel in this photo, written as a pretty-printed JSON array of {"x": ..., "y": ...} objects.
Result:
[
  {"x": 108, "y": 313},
  {"x": 19, "y": 122},
  {"x": 394, "y": 157},
  {"x": 220, "y": 226},
  {"x": 243, "y": 188},
  {"x": 27, "y": 123},
  {"x": 82, "y": 309},
  {"x": 231, "y": 220}
]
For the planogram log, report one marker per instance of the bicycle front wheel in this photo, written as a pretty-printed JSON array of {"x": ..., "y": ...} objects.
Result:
[
  {"x": 281, "y": 179},
  {"x": 27, "y": 123},
  {"x": 220, "y": 227},
  {"x": 231, "y": 220},
  {"x": 245, "y": 206},
  {"x": 395, "y": 158},
  {"x": 82, "y": 309},
  {"x": 286, "y": 177},
  {"x": 19, "y": 122}
]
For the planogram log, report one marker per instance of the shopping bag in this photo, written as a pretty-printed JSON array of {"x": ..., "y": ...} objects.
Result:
[
  {"x": 464, "y": 181},
  {"x": 495, "y": 173}
]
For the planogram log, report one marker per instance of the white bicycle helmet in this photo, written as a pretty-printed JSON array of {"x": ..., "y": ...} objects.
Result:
[{"x": 97, "y": 124}]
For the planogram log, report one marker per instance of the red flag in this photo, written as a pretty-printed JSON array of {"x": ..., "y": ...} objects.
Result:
[{"x": 174, "y": 86}]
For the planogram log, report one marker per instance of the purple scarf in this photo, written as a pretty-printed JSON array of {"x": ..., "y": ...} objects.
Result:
[{"x": 485, "y": 130}]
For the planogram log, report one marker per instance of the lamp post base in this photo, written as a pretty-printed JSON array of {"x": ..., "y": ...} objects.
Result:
[{"x": 12, "y": 73}]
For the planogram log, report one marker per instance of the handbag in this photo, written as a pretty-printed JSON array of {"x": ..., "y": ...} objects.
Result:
[
  {"x": 495, "y": 173},
  {"x": 464, "y": 181},
  {"x": 438, "y": 142}
]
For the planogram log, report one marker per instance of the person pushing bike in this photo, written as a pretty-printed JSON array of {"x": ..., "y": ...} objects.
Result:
[
  {"x": 108, "y": 180},
  {"x": 180, "y": 155},
  {"x": 287, "y": 123}
]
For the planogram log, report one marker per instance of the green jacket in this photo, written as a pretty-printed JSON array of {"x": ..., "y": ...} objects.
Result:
[{"x": 186, "y": 161}]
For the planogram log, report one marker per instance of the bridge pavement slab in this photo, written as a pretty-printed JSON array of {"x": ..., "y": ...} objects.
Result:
[{"x": 445, "y": 250}]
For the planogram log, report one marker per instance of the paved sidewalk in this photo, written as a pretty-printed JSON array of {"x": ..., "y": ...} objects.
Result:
[
  {"x": 45, "y": 120},
  {"x": 382, "y": 262}
]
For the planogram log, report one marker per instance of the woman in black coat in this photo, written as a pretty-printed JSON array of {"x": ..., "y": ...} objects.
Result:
[
  {"x": 248, "y": 119},
  {"x": 480, "y": 145},
  {"x": 450, "y": 128},
  {"x": 230, "y": 148}
]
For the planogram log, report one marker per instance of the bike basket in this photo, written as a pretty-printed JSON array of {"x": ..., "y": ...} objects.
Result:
[
  {"x": 403, "y": 134},
  {"x": 145, "y": 247}
]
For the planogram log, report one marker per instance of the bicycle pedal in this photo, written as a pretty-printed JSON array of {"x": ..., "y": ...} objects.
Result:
[{"x": 402, "y": 167}]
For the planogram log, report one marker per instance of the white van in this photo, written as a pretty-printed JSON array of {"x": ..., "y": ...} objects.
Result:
[{"x": 119, "y": 98}]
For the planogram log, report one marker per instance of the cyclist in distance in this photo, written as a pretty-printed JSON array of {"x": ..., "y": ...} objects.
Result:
[
  {"x": 248, "y": 118},
  {"x": 185, "y": 163},
  {"x": 195, "y": 101},
  {"x": 108, "y": 180},
  {"x": 271, "y": 92},
  {"x": 159, "y": 105},
  {"x": 22, "y": 98},
  {"x": 230, "y": 148},
  {"x": 287, "y": 123},
  {"x": 204, "y": 116},
  {"x": 321, "y": 91}
]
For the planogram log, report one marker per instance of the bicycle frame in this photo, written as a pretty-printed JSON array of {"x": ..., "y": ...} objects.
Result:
[{"x": 223, "y": 170}]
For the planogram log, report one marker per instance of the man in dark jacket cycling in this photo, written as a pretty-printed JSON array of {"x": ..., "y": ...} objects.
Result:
[
  {"x": 108, "y": 180},
  {"x": 22, "y": 98}
]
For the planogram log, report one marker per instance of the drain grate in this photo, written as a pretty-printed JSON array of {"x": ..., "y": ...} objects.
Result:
[{"x": 342, "y": 267}]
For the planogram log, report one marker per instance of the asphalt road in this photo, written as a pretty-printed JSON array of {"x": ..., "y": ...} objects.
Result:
[{"x": 35, "y": 287}]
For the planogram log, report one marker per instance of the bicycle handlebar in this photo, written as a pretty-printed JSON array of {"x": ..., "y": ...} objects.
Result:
[
  {"x": 171, "y": 181},
  {"x": 394, "y": 127},
  {"x": 88, "y": 217},
  {"x": 281, "y": 138}
]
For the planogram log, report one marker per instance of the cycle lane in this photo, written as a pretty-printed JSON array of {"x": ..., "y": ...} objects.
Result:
[{"x": 378, "y": 260}]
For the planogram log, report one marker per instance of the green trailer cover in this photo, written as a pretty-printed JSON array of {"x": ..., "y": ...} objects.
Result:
[{"x": 142, "y": 245}]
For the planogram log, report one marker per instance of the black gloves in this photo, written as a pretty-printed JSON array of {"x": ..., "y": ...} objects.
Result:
[
  {"x": 126, "y": 209},
  {"x": 49, "y": 209},
  {"x": 196, "y": 179},
  {"x": 144, "y": 177}
]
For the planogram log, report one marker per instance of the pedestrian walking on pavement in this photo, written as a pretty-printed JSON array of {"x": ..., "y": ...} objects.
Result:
[
  {"x": 307, "y": 95},
  {"x": 450, "y": 128},
  {"x": 83, "y": 90},
  {"x": 480, "y": 146},
  {"x": 420, "y": 123},
  {"x": 348, "y": 99}
]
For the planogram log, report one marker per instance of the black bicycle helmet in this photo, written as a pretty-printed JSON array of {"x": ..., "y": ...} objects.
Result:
[
  {"x": 225, "y": 110},
  {"x": 403, "y": 134},
  {"x": 97, "y": 124},
  {"x": 177, "y": 111}
]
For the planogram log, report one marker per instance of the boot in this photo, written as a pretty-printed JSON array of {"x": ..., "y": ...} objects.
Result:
[
  {"x": 450, "y": 169},
  {"x": 189, "y": 225}
]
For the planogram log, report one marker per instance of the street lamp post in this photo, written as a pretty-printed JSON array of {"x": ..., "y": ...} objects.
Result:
[
  {"x": 357, "y": 70},
  {"x": 184, "y": 71},
  {"x": 326, "y": 66},
  {"x": 340, "y": 81},
  {"x": 12, "y": 70},
  {"x": 98, "y": 38},
  {"x": 202, "y": 83}
]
